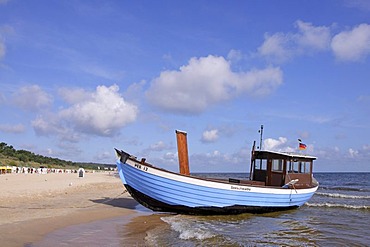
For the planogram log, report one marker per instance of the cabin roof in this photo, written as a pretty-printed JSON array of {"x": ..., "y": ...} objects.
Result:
[{"x": 265, "y": 154}]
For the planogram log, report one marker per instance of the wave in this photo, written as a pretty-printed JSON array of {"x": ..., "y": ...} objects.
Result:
[
  {"x": 344, "y": 189},
  {"x": 337, "y": 195},
  {"x": 187, "y": 229},
  {"x": 334, "y": 205}
]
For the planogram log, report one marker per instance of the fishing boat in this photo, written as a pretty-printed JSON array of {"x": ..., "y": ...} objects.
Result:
[{"x": 277, "y": 181}]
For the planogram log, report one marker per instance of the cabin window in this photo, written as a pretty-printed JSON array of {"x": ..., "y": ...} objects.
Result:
[
  {"x": 305, "y": 167},
  {"x": 277, "y": 165},
  {"x": 261, "y": 164},
  {"x": 299, "y": 167}
]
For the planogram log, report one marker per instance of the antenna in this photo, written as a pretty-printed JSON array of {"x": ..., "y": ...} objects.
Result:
[{"x": 261, "y": 134}]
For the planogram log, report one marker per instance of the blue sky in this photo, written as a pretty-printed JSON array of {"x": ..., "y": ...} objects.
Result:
[{"x": 79, "y": 78}]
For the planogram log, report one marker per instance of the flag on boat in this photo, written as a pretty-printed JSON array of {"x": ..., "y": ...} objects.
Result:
[{"x": 302, "y": 146}]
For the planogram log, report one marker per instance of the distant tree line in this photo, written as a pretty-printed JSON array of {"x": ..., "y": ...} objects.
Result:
[{"x": 25, "y": 156}]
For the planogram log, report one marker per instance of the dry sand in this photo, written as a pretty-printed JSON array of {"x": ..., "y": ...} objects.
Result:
[{"x": 33, "y": 205}]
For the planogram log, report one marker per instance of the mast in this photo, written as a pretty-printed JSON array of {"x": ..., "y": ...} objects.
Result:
[{"x": 261, "y": 134}]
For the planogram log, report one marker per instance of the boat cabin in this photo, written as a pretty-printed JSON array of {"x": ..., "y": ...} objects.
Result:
[{"x": 282, "y": 169}]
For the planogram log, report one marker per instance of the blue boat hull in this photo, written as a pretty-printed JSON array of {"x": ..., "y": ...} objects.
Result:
[
  {"x": 161, "y": 190},
  {"x": 159, "y": 206}
]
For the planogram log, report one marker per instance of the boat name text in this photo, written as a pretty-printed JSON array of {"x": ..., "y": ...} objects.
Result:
[
  {"x": 240, "y": 188},
  {"x": 144, "y": 168}
]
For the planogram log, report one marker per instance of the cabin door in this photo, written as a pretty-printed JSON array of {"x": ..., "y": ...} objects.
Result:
[
  {"x": 276, "y": 172},
  {"x": 260, "y": 170}
]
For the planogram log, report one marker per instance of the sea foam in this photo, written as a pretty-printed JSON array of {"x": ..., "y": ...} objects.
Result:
[
  {"x": 338, "y": 195},
  {"x": 187, "y": 229},
  {"x": 336, "y": 205}
]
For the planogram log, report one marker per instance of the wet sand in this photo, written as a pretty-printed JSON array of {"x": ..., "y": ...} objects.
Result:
[{"x": 33, "y": 205}]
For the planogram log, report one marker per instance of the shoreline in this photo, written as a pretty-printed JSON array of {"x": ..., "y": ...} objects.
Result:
[{"x": 33, "y": 205}]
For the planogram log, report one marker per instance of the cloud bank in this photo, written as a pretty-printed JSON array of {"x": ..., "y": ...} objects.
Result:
[
  {"x": 349, "y": 45},
  {"x": 281, "y": 47}
]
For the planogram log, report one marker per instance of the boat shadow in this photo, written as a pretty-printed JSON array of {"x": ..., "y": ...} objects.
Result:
[{"x": 128, "y": 203}]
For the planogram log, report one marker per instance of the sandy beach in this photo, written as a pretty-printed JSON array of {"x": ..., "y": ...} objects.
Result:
[{"x": 33, "y": 205}]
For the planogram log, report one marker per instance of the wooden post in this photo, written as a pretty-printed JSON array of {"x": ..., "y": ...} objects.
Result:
[{"x": 182, "y": 150}]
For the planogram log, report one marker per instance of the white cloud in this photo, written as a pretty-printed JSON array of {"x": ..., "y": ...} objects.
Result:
[
  {"x": 352, "y": 45},
  {"x": 276, "y": 47},
  {"x": 51, "y": 124},
  {"x": 281, "y": 47},
  {"x": 159, "y": 146},
  {"x": 210, "y": 135},
  {"x": 353, "y": 153},
  {"x": 7, "y": 128},
  {"x": 234, "y": 55},
  {"x": 281, "y": 145},
  {"x": 315, "y": 37},
  {"x": 206, "y": 81},
  {"x": 104, "y": 112},
  {"x": 360, "y": 154},
  {"x": 32, "y": 98},
  {"x": 171, "y": 157},
  {"x": 273, "y": 144},
  {"x": 43, "y": 127},
  {"x": 156, "y": 147}
]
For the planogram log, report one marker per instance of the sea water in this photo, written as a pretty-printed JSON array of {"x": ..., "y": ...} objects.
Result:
[{"x": 337, "y": 215}]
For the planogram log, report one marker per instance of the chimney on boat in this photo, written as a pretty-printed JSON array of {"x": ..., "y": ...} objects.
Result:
[{"x": 182, "y": 150}]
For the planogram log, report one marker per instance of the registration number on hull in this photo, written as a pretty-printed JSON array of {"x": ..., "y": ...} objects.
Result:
[{"x": 143, "y": 168}]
